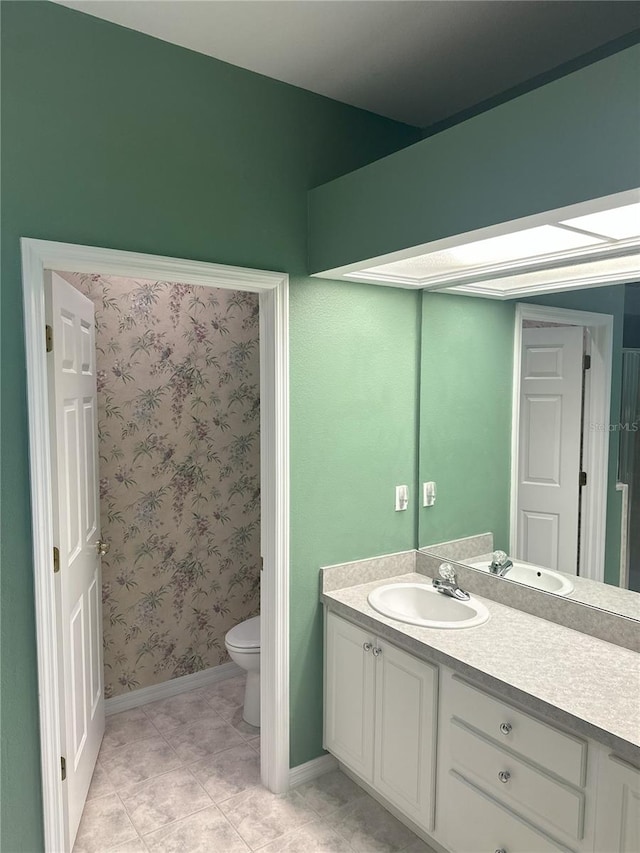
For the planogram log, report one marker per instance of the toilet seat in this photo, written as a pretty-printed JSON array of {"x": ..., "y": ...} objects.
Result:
[{"x": 245, "y": 637}]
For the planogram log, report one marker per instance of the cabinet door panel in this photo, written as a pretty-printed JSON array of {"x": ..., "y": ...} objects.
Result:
[
  {"x": 406, "y": 716},
  {"x": 475, "y": 823},
  {"x": 349, "y": 696},
  {"x": 555, "y": 751},
  {"x": 618, "y": 818},
  {"x": 550, "y": 804}
]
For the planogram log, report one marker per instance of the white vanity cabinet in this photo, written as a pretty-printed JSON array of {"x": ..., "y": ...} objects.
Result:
[
  {"x": 618, "y": 816},
  {"x": 507, "y": 781},
  {"x": 528, "y": 778},
  {"x": 349, "y": 695},
  {"x": 380, "y": 717}
]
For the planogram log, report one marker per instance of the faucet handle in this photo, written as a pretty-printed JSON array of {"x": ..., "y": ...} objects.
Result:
[
  {"x": 447, "y": 572},
  {"x": 500, "y": 557}
]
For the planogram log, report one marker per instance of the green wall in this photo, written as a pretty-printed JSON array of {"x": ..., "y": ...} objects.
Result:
[
  {"x": 112, "y": 138},
  {"x": 603, "y": 300},
  {"x": 357, "y": 402},
  {"x": 465, "y": 416},
  {"x": 573, "y": 139}
]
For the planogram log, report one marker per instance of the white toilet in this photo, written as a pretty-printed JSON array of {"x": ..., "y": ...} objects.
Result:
[{"x": 243, "y": 645}]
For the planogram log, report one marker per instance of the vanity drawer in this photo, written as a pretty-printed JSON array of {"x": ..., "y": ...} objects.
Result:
[
  {"x": 548, "y": 803},
  {"x": 476, "y": 823},
  {"x": 553, "y": 750}
]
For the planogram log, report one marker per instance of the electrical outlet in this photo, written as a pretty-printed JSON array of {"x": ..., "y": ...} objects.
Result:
[
  {"x": 402, "y": 498},
  {"x": 428, "y": 493}
]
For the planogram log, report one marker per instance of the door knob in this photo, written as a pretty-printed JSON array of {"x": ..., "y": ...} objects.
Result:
[{"x": 102, "y": 547}]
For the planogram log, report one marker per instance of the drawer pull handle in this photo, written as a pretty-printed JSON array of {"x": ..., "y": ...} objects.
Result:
[
  {"x": 504, "y": 776},
  {"x": 377, "y": 651},
  {"x": 505, "y": 728},
  {"x": 367, "y": 647}
]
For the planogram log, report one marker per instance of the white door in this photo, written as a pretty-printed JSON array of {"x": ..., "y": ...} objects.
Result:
[
  {"x": 349, "y": 700},
  {"x": 549, "y": 447},
  {"x": 405, "y": 738},
  {"x": 73, "y": 424}
]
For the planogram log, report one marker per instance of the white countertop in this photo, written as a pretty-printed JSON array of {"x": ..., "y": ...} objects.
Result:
[{"x": 595, "y": 682}]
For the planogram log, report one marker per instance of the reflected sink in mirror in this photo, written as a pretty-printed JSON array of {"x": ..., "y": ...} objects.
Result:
[
  {"x": 530, "y": 575},
  {"x": 420, "y": 604}
]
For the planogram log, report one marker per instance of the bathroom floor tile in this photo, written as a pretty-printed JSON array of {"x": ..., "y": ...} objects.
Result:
[
  {"x": 228, "y": 773},
  {"x": 103, "y": 818},
  {"x": 202, "y": 738},
  {"x": 369, "y": 828},
  {"x": 206, "y": 831},
  {"x": 168, "y": 714},
  {"x": 316, "y": 837},
  {"x": 140, "y": 760},
  {"x": 240, "y": 725},
  {"x": 126, "y": 727},
  {"x": 418, "y": 846},
  {"x": 100, "y": 783},
  {"x": 163, "y": 799},
  {"x": 137, "y": 845},
  {"x": 225, "y": 697},
  {"x": 254, "y": 743},
  {"x": 330, "y": 792},
  {"x": 260, "y": 817}
]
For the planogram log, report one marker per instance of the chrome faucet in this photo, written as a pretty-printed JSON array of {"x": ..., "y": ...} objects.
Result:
[
  {"x": 500, "y": 564},
  {"x": 447, "y": 583}
]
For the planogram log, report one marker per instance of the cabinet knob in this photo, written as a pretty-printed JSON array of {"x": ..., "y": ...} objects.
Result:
[
  {"x": 377, "y": 651},
  {"x": 367, "y": 647},
  {"x": 505, "y": 728},
  {"x": 501, "y": 850},
  {"x": 504, "y": 776}
]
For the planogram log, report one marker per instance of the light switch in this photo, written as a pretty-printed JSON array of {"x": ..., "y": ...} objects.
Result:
[
  {"x": 428, "y": 493},
  {"x": 402, "y": 498}
]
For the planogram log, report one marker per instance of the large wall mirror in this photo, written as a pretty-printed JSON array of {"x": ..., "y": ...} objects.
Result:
[{"x": 530, "y": 430}]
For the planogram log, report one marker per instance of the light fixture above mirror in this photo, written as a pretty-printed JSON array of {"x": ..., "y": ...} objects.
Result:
[{"x": 585, "y": 245}]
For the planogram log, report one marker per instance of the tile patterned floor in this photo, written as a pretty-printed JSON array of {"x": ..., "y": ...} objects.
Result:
[{"x": 183, "y": 776}]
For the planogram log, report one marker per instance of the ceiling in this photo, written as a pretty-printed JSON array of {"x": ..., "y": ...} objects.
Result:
[{"x": 416, "y": 61}]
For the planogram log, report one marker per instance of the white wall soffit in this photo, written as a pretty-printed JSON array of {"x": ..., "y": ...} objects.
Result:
[{"x": 585, "y": 245}]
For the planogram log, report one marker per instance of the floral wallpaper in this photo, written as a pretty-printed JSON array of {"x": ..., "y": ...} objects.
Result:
[{"x": 179, "y": 444}]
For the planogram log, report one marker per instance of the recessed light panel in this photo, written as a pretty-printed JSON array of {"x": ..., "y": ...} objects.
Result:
[
  {"x": 620, "y": 223},
  {"x": 518, "y": 246}
]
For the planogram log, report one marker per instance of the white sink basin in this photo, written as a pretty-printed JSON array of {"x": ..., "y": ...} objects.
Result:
[
  {"x": 421, "y": 604},
  {"x": 530, "y": 575}
]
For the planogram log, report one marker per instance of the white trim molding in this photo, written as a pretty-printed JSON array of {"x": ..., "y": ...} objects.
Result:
[
  {"x": 172, "y": 687},
  {"x": 312, "y": 769},
  {"x": 593, "y": 521},
  {"x": 623, "y": 488},
  {"x": 272, "y": 287}
]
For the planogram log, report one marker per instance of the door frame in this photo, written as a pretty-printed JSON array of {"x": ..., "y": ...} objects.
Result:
[
  {"x": 272, "y": 287},
  {"x": 593, "y": 522}
]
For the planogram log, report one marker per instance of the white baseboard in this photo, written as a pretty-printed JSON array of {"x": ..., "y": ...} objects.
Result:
[
  {"x": 173, "y": 687},
  {"x": 312, "y": 769}
]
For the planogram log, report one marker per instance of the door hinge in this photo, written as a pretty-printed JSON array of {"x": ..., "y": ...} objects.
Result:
[
  {"x": 261, "y": 564},
  {"x": 56, "y": 559},
  {"x": 583, "y": 478},
  {"x": 63, "y": 767},
  {"x": 586, "y": 362},
  {"x": 48, "y": 336}
]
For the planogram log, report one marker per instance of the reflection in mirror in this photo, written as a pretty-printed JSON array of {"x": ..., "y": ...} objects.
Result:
[{"x": 529, "y": 426}]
